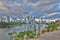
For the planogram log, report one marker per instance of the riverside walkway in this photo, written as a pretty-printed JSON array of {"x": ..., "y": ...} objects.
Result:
[{"x": 55, "y": 35}]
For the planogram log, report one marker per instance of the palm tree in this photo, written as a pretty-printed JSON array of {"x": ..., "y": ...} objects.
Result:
[
  {"x": 35, "y": 29},
  {"x": 39, "y": 27}
]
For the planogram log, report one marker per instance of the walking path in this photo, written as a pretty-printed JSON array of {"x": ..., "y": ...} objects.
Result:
[{"x": 55, "y": 35}]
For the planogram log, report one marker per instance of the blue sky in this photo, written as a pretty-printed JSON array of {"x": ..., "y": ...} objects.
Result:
[{"x": 24, "y": 8}]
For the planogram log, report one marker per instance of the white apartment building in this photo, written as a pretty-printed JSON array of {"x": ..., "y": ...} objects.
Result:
[
  {"x": 49, "y": 20},
  {"x": 45, "y": 20},
  {"x": 4, "y": 19}
]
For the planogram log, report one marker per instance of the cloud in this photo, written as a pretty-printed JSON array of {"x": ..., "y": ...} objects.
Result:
[
  {"x": 26, "y": 6},
  {"x": 11, "y": 8},
  {"x": 40, "y": 3},
  {"x": 47, "y": 6},
  {"x": 26, "y": 1},
  {"x": 52, "y": 8},
  {"x": 3, "y": 6},
  {"x": 17, "y": 8},
  {"x": 43, "y": 3},
  {"x": 17, "y": 4}
]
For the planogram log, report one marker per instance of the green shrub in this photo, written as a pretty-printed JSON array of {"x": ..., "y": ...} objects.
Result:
[
  {"x": 52, "y": 26},
  {"x": 20, "y": 35}
]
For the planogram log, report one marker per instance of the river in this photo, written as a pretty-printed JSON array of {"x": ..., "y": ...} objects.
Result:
[{"x": 4, "y": 31}]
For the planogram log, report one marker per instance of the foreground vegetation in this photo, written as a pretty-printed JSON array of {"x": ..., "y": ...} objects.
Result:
[
  {"x": 52, "y": 27},
  {"x": 30, "y": 34},
  {"x": 23, "y": 35}
]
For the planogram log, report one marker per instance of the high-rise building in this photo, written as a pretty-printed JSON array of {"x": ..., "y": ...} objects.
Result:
[{"x": 5, "y": 19}]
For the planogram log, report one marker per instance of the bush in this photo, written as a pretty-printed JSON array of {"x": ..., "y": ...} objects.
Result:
[
  {"x": 52, "y": 27},
  {"x": 21, "y": 35},
  {"x": 29, "y": 33}
]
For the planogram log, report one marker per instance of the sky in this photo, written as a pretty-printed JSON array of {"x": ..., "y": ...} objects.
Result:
[{"x": 23, "y": 8}]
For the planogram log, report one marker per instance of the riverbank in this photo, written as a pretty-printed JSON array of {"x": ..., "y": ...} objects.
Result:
[
  {"x": 10, "y": 24},
  {"x": 55, "y": 35}
]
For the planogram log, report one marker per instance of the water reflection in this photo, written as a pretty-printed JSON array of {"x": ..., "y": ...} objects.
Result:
[{"x": 4, "y": 32}]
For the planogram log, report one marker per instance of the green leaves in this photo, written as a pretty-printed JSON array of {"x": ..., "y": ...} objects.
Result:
[
  {"x": 20, "y": 35},
  {"x": 52, "y": 26}
]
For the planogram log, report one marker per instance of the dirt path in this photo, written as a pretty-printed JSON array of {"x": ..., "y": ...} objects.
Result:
[{"x": 50, "y": 36}]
